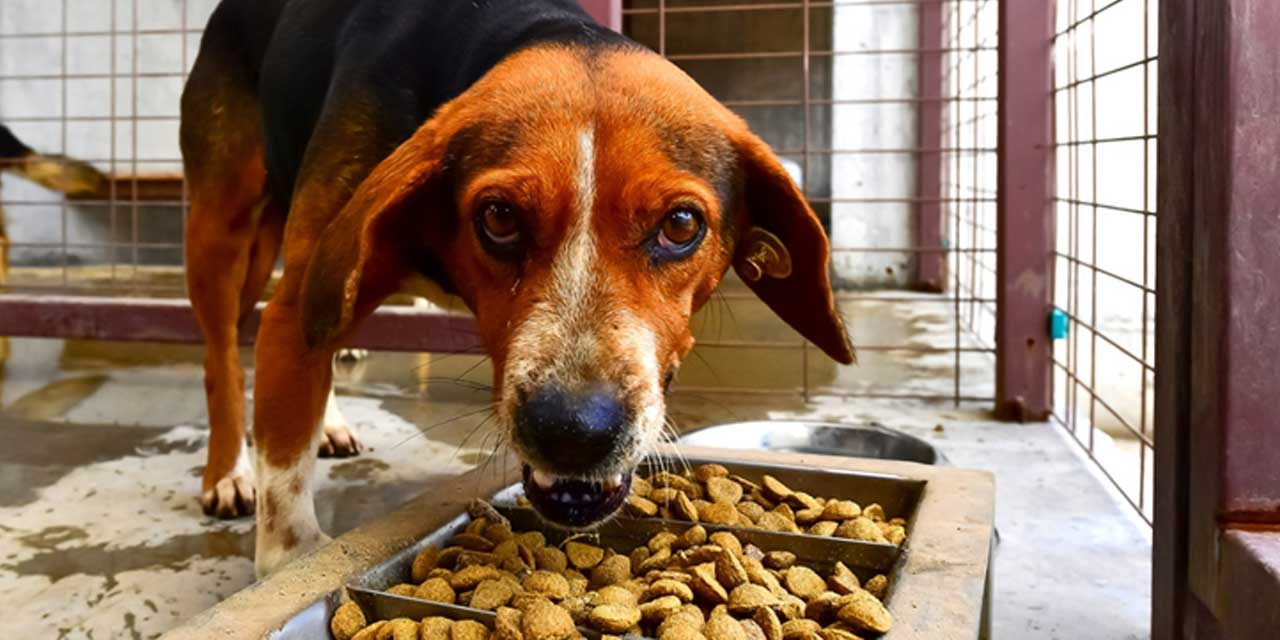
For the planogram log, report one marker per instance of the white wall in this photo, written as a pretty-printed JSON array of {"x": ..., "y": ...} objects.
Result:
[{"x": 880, "y": 126}]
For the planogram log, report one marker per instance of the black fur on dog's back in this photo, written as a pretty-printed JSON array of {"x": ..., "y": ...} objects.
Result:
[{"x": 407, "y": 56}]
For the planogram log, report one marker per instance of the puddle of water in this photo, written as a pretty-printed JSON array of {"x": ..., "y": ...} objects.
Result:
[
  {"x": 53, "y": 537},
  {"x": 56, "y": 398},
  {"x": 176, "y": 553},
  {"x": 37, "y": 454},
  {"x": 360, "y": 469}
]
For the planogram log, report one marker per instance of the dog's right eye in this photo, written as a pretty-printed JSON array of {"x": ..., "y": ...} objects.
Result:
[{"x": 499, "y": 227}]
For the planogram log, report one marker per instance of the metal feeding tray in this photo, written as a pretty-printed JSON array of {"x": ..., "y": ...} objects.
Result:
[{"x": 937, "y": 577}]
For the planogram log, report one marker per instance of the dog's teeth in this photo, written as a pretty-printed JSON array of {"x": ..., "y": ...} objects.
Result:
[
  {"x": 543, "y": 480},
  {"x": 615, "y": 481}
]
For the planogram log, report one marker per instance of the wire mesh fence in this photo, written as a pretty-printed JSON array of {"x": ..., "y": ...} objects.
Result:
[
  {"x": 1105, "y": 56},
  {"x": 864, "y": 99},
  {"x": 972, "y": 33},
  {"x": 99, "y": 82},
  {"x": 883, "y": 110}
]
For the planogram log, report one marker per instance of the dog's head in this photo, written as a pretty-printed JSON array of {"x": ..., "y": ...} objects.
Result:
[{"x": 584, "y": 206}]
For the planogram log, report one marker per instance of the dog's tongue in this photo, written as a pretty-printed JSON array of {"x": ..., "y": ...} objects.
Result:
[{"x": 574, "y": 502}]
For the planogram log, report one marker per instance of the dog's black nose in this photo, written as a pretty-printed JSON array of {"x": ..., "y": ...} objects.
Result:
[{"x": 572, "y": 431}]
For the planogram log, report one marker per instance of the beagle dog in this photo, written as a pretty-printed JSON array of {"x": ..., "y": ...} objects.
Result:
[{"x": 580, "y": 193}]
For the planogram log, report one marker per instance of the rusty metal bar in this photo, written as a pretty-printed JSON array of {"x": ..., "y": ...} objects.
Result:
[
  {"x": 1025, "y": 229},
  {"x": 1235, "y": 230},
  {"x": 1235, "y": 332},
  {"x": 1218, "y": 489},
  {"x": 931, "y": 268},
  {"x": 158, "y": 320}
]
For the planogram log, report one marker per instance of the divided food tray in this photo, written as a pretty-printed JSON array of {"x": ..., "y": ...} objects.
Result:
[{"x": 898, "y": 496}]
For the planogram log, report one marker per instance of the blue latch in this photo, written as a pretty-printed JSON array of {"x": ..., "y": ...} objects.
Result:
[{"x": 1058, "y": 325}]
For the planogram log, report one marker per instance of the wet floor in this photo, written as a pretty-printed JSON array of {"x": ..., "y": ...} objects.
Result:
[{"x": 101, "y": 535}]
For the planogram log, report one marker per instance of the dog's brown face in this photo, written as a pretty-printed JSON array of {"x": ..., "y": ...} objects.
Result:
[{"x": 584, "y": 207}]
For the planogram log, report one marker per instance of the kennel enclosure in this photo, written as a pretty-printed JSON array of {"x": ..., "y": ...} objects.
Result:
[{"x": 987, "y": 171}]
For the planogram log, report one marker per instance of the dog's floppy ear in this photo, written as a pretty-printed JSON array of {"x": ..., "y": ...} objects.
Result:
[
  {"x": 363, "y": 254},
  {"x": 782, "y": 252}
]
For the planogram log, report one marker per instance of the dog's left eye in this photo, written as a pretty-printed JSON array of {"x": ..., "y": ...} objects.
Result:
[
  {"x": 681, "y": 230},
  {"x": 499, "y": 226}
]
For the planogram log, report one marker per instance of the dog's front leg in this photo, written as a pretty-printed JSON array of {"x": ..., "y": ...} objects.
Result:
[{"x": 291, "y": 385}]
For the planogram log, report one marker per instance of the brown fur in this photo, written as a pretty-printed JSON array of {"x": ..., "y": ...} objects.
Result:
[{"x": 355, "y": 233}]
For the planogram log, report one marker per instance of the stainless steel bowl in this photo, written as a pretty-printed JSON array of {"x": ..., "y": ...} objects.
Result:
[{"x": 863, "y": 441}]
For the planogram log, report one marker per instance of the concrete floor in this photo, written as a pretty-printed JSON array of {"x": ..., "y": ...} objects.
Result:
[{"x": 101, "y": 536}]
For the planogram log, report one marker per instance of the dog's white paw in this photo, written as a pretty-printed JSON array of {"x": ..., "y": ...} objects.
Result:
[
  {"x": 339, "y": 441},
  {"x": 350, "y": 356},
  {"x": 234, "y": 495}
]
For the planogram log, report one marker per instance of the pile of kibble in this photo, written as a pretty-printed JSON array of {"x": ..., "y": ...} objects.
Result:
[
  {"x": 711, "y": 494},
  {"x": 687, "y": 586}
]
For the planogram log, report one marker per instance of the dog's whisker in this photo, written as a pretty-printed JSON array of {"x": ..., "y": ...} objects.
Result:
[
  {"x": 708, "y": 399},
  {"x": 484, "y": 445},
  {"x": 469, "y": 384},
  {"x": 499, "y": 444},
  {"x": 422, "y": 431},
  {"x": 473, "y": 367},
  {"x": 462, "y": 445},
  {"x": 669, "y": 421},
  {"x": 668, "y": 424},
  {"x": 714, "y": 374},
  {"x": 440, "y": 357},
  {"x": 728, "y": 309}
]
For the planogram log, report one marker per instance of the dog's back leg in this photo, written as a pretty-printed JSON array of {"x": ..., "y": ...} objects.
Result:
[{"x": 233, "y": 236}]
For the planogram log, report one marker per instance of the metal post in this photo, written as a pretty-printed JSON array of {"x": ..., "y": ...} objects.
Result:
[
  {"x": 1174, "y": 193},
  {"x": 1024, "y": 211},
  {"x": 1215, "y": 562},
  {"x": 931, "y": 266},
  {"x": 390, "y": 328}
]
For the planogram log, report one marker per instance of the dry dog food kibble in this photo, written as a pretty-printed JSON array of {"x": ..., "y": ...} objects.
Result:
[
  {"x": 347, "y": 621},
  {"x": 678, "y": 585},
  {"x": 710, "y": 494}
]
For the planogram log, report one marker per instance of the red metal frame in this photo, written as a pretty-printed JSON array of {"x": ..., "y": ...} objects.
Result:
[
  {"x": 1175, "y": 172},
  {"x": 1025, "y": 229},
  {"x": 931, "y": 266},
  {"x": 390, "y": 328},
  {"x": 1217, "y": 542}
]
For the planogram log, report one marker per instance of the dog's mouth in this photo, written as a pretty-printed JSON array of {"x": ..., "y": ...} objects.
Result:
[{"x": 575, "y": 502}]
